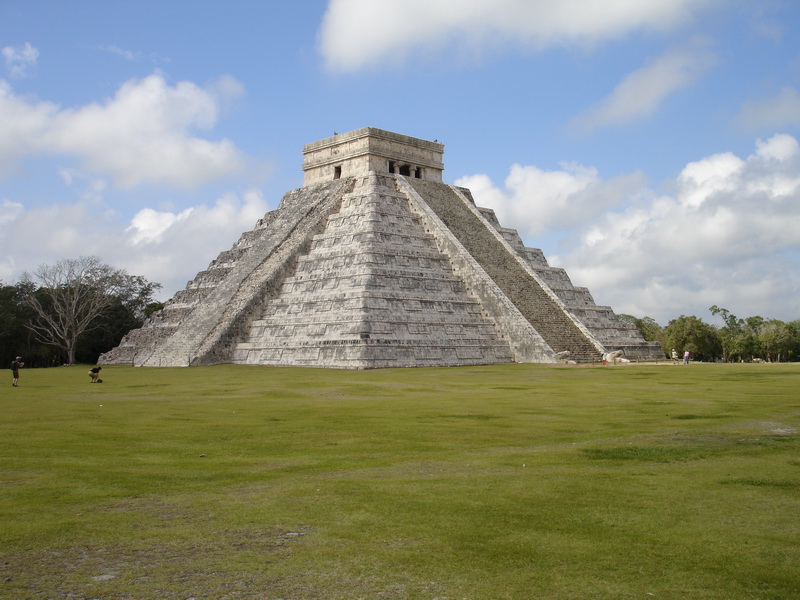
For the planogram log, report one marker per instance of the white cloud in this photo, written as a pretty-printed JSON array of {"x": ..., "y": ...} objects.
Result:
[
  {"x": 179, "y": 245},
  {"x": 361, "y": 33},
  {"x": 642, "y": 92},
  {"x": 20, "y": 58},
  {"x": 782, "y": 110},
  {"x": 126, "y": 54},
  {"x": 9, "y": 211},
  {"x": 168, "y": 248},
  {"x": 148, "y": 225},
  {"x": 24, "y": 122},
  {"x": 540, "y": 201},
  {"x": 144, "y": 134},
  {"x": 727, "y": 234},
  {"x": 700, "y": 180}
]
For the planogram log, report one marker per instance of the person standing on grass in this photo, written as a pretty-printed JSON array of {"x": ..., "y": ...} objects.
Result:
[
  {"x": 686, "y": 357},
  {"x": 16, "y": 365}
]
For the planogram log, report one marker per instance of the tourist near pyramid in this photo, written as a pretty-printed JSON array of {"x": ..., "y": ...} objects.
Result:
[{"x": 373, "y": 263}]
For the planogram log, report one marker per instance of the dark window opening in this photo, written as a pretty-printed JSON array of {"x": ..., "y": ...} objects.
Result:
[
  {"x": 418, "y": 173},
  {"x": 391, "y": 166},
  {"x": 405, "y": 170},
  {"x": 337, "y": 172}
]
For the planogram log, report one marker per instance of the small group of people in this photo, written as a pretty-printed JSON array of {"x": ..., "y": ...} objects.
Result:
[
  {"x": 686, "y": 356},
  {"x": 17, "y": 364}
]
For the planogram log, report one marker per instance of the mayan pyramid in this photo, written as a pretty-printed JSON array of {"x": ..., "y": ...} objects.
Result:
[{"x": 375, "y": 262}]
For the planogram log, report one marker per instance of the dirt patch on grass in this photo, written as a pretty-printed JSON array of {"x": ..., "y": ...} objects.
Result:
[
  {"x": 172, "y": 556},
  {"x": 221, "y": 568}
]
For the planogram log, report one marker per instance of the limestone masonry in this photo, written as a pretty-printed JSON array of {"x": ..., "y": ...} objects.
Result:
[{"x": 373, "y": 263}]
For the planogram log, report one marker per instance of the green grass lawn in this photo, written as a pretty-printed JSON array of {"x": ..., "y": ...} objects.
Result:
[{"x": 519, "y": 481}]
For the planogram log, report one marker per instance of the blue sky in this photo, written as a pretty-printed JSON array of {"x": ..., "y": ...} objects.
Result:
[{"x": 650, "y": 148}]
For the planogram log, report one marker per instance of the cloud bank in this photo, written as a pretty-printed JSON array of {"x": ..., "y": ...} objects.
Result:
[
  {"x": 357, "y": 34},
  {"x": 166, "y": 247},
  {"x": 726, "y": 232},
  {"x": 144, "y": 134}
]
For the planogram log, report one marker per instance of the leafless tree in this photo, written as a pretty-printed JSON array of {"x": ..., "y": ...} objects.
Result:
[{"x": 67, "y": 298}]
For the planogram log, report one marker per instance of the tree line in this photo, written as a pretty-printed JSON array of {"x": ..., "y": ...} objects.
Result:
[
  {"x": 737, "y": 340},
  {"x": 71, "y": 312}
]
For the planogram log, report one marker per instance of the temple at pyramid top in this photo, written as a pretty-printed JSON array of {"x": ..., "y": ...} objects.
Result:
[
  {"x": 375, "y": 262},
  {"x": 369, "y": 149}
]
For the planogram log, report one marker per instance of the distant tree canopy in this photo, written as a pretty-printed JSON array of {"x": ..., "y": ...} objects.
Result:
[
  {"x": 647, "y": 326},
  {"x": 690, "y": 333},
  {"x": 70, "y": 311},
  {"x": 757, "y": 337},
  {"x": 748, "y": 339}
]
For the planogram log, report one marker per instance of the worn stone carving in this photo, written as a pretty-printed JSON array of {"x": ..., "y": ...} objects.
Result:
[
  {"x": 616, "y": 357},
  {"x": 373, "y": 263}
]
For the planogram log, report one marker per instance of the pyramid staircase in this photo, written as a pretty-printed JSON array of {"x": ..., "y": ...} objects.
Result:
[
  {"x": 373, "y": 291},
  {"x": 532, "y": 297}
]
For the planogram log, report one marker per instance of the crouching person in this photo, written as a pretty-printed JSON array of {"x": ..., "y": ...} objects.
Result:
[{"x": 94, "y": 375}]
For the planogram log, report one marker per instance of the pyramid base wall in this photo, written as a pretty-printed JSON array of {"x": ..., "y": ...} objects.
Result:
[{"x": 372, "y": 354}]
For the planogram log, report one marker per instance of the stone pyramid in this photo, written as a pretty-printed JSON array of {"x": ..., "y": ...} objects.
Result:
[{"x": 374, "y": 263}]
